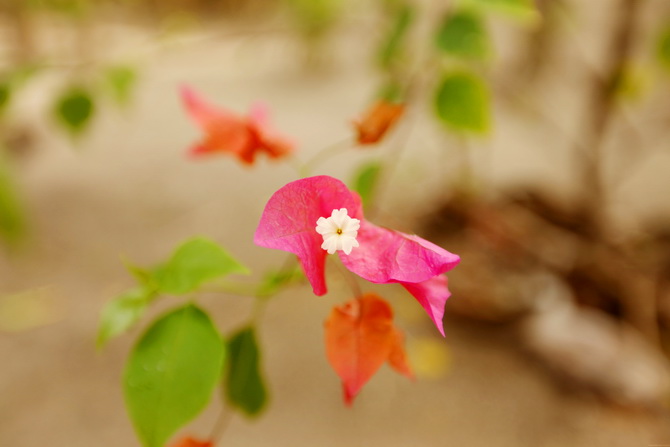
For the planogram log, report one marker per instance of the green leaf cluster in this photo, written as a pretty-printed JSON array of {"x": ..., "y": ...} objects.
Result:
[
  {"x": 194, "y": 263},
  {"x": 180, "y": 359}
]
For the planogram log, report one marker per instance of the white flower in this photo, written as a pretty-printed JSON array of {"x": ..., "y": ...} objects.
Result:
[{"x": 339, "y": 231}]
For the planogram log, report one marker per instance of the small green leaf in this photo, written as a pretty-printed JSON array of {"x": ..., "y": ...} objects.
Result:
[
  {"x": 314, "y": 17},
  {"x": 463, "y": 34},
  {"x": 121, "y": 80},
  {"x": 244, "y": 385},
  {"x": 392, "y": 45},
  {"x": 663, "y": 48},
  {"x": 142, "y": 275},
  {"x": 523, "y": 11},
  {"x": 74, "y": 109},
  {"x": 12, "y": 217},
  {"x": 195, "y": 262},
  {"x": 5, "y": 96},
  {"x": 462, "y": 103},
  {"x": 393, "y": 92},
  {"x": 171, "y": 373},
  {"x": 365, "y": 181},
  {"x": 120, "y": 314}
]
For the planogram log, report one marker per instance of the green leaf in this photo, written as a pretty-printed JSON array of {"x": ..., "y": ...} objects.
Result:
[
  {"x": 121, "y": 80},
  {"x": 392, "y": 45},
  {"x": 523, "y": 11},
  {"x": 122, "y": 313},
  {"x": 462, "y": 103},
  {"x": 171, "y": 373},
  {"x": 5, "y": 96},
  {"x": 365, "y": 181},
  {"x": 463, "y": 34},
  {"x": 315, "y": 17},
  {"x": 74, "y": 109},
  {"x": 244, "y": 385},
  {"x": 393, "y": 92},
  {"x": 663, "y": 48},
  {"x": 12, "y": 217},
  {"x": 195, "y": 262}
]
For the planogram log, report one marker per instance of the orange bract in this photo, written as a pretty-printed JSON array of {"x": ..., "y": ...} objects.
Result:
[
  {"x": 226, "y": 132},
  {"x": 377, "y": 121},
  {"x": 190, "y": 442},
  {"x": 360, "y": 337}
]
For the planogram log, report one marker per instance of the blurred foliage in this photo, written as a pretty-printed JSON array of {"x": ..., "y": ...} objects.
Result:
[
  {"x": 122, "y": 313},
  {"x": 245, "y": 388},
  {"x": 462, "y": 103},
  {"x": 663, "y": 47},
  {"x": 394, "y": 44},
  {"x": 5, "y": 96},
  {"x": 314, "y": 17},
  {"x": 463, "y": 34},
  {"x": 74, "y": 109},
  {"x": 523, "y": 11},
  {"x": 121, "y": 81},
  {"x": 12, "y": 216},
  {"x": 365, "y": 180},
  {"x": 274, "y": 281}
]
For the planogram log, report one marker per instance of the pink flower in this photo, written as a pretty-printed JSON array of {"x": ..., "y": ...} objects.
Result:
[
  {"x": 380, "y": 255},
  {"x": 225, "y": 131}
]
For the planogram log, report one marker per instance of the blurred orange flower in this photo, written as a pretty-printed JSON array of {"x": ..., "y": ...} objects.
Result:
[
  {"x": 360, "y": 337},
  {"x": 226, "y": 132},
  {"x": 190, "y": 442},
  {"x": 377, "y": 121}
]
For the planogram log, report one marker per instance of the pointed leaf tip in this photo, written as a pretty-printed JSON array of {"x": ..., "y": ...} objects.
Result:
[{"x": 245, "y": 387}]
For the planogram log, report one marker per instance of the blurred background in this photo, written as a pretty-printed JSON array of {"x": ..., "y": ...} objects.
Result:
[{"x": 534, "y": 144}]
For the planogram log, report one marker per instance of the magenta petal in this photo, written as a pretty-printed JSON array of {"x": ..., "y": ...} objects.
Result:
[
  {"x": 387, "y": 256},
  {"x": 432, "y": 295},
  {"x": 289, "y": 221}
]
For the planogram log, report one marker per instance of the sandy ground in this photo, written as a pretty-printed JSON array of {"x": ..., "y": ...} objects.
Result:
[{"x": 128, "y": 191}]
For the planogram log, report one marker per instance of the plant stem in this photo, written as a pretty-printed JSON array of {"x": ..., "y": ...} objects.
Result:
[
  {"x": 350, "y": 280},
  {"x": 601, "y": 103},
  {"x": 324, "y": 154},
  {"x": 221, "y": 424}
]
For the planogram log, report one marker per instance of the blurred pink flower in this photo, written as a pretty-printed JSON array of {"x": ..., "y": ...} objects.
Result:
[
  {"x": 226, "y": 132},
  {"x": 382, "y": 256}
]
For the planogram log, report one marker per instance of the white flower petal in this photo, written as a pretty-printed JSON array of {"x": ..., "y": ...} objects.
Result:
[{"x": 339, "y": 231}]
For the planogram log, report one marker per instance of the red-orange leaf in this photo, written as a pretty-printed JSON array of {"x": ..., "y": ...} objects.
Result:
[
  {"x": 360, "y": 337},
  {"x": 377, "y": 121},
  {"x": 190, "y": 442},
  {"x": 398, "y": 357}
]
